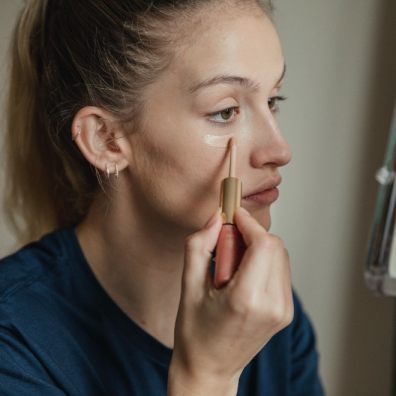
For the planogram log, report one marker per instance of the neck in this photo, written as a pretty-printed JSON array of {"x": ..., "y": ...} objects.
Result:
[{"x": 137, "y": 262}]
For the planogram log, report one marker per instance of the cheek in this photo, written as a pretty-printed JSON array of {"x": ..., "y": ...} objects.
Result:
[{"x": 179, "y": 180}]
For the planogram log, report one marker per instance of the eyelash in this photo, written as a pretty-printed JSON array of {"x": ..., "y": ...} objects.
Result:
[
  {"x": 277, "y": 99},
  {"x": 274, "y": 108}
]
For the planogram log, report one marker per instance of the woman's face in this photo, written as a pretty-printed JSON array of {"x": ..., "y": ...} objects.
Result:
[{"x": 221, "y": 84}]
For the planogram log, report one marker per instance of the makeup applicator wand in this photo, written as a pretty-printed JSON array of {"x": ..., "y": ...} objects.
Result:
[{"x": 230, "y": 247}]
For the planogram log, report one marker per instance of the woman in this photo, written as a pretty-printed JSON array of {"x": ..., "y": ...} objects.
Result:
[{"x": 119, "y": 118}]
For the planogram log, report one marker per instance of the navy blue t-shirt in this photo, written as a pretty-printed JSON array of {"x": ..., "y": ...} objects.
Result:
[{"x": 61, "y": 334}]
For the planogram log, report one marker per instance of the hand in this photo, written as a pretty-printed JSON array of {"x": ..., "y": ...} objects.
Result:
[{"x": 219, "y": 331}]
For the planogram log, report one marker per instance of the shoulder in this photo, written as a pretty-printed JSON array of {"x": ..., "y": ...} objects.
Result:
[
  {"x": 300, "y": 317},
  {"x": 24, "y": 279},
  {"x": 301, "y": 324},
  {"x": 36, "y": 262},
  {"x": 44, "y": 320},
  {"x": 295, "y": 352},
  {"x": 301, "y": 327},
  {"x": 305, "y": 358},
  {"x": 298, "y": 332},
  {"x": 289, "y": 362}
]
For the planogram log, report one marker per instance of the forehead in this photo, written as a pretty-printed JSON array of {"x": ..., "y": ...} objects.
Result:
[{"x": 228, "y": 43}]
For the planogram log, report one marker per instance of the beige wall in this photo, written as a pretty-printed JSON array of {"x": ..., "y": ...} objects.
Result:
[
  {"x": 341, "y": 86},
  {"x": 8, "y": 12}
]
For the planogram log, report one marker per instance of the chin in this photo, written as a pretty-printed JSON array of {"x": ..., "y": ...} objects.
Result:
[{"x": 263, "y": 217}]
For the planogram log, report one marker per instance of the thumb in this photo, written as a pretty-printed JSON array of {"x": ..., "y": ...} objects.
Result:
[{"x": 198, "y": 253}]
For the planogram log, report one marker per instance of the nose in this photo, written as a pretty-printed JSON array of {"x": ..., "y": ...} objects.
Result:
[{"x": 270, "y": 147}]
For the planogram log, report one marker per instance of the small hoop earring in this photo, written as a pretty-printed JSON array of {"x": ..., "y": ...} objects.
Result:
[
  {"x": 77, "y": 134},
  {"x": 107, "y": 171},
  {"x": 116, "y": 171}
]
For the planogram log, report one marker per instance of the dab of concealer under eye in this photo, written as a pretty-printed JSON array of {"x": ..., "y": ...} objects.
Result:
[{"x": 218, "y": 141}]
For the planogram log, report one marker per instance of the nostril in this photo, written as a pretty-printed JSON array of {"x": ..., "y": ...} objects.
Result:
[{"x": 275, "y": 152}]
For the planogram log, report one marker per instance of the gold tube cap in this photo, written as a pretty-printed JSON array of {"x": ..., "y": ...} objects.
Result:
[{"x": 230, "y": 198}]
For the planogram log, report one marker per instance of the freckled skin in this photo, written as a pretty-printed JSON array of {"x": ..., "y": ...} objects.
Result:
[{"x": 172, "y": 170}]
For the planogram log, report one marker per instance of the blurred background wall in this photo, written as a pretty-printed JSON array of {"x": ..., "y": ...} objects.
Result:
[{"x": 341, "y": 84}]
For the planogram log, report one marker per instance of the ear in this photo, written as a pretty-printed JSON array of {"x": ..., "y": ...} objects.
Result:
[{"x": 99, "y": 137}]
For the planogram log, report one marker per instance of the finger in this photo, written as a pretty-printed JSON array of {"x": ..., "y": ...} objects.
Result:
[
  {"x": 254, "y": 270},
  {"x": 254, "y": 236},
  {"x": 261, "y": 262},
  {"x": 198, "y": 253},
  {"x": 248, "y": 226}
]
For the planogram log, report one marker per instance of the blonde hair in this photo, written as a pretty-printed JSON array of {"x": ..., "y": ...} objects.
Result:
[{"x": 67, "y": 55}]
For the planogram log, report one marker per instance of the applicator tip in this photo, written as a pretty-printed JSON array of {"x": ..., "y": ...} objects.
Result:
[{"x": 232, "y": 148}]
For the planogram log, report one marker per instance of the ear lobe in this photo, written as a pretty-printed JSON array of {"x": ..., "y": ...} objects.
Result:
[{"x": 94, "y": 131}]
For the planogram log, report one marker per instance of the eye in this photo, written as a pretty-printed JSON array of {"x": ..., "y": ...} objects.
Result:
[
  {"x": 224, "y": 116},
  {"x": 273, "y": 103}
]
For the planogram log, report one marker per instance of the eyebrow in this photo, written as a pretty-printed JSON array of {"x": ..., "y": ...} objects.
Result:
[{"x": 232, "y": 80}]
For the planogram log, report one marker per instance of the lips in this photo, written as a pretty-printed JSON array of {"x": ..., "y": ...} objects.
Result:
[{"x": 267, "y": 186}]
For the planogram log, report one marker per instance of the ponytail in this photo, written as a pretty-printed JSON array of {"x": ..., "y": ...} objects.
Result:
[
  {"x": 27, "y": 193},
  {"x": 39, "y": 186}
]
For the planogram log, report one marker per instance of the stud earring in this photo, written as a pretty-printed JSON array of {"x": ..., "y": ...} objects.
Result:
[{"x": 107, "y": 171}]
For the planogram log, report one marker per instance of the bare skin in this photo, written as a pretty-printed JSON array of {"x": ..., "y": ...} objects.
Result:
[{"x": 168, "y": 188}]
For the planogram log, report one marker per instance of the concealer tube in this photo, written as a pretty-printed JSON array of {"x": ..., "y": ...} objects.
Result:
[{"x": 230, "y": 246}]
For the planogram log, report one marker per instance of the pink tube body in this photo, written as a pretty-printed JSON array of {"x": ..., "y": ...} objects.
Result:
[{"x": 229, "y": 251}]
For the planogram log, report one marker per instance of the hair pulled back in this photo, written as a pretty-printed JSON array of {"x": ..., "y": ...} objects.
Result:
[{"x": 68, "y": 54}]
